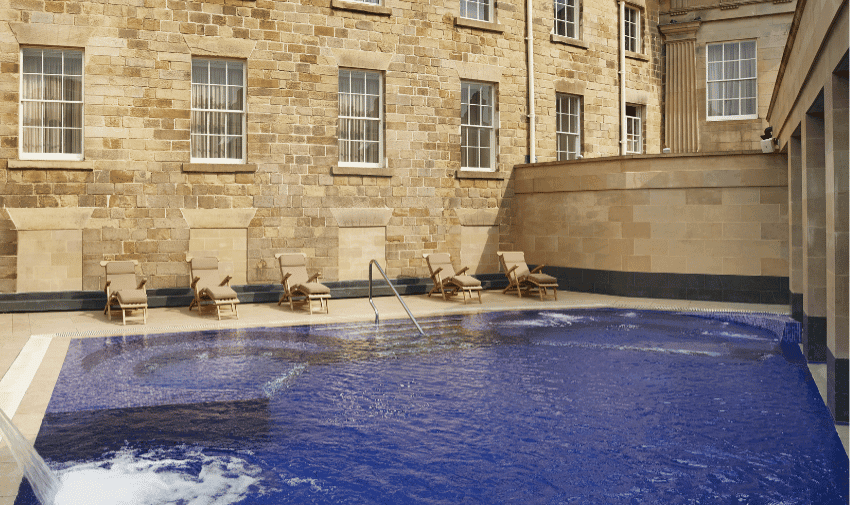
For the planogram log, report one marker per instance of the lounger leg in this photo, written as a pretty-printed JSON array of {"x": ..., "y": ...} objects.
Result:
[
  {"x": 479, "y": 296},
  {"x": 124, "y": 317}
]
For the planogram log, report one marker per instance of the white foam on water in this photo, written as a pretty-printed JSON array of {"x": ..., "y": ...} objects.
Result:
[
  {"x": 664, "y": 350},
  {"x": 286, "y": 380},
  {"x": 729, "y": 334},
  {"x": 157, "y": 478},
  {"x": 297, "y": 481}
]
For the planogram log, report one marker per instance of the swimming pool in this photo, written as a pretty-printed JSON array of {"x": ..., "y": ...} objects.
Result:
[{"x": 579, "y": 406}]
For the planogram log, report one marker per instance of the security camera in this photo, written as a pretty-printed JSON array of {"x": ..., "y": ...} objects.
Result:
[{"x": 767, "y": 146}]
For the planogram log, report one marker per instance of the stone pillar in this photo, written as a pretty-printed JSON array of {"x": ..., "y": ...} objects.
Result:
[
  {"x": 681, "y": 126},
  {"x": 814, "y": 239},
  {"x": 836, "y": 147},
  {"x": 795, "y": 227}
]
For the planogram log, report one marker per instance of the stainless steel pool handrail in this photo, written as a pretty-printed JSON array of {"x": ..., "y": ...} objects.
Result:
[{"x": 390, "y": 284}]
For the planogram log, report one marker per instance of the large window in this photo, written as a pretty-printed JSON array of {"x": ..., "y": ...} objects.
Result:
[
  {"x": 566, "y": 18},
  {"x": 51, "y": 104},
  {"x": 634, "y": 129},
  {"x": 481, "y": 10},
  {"x": 568, "y": 112},
  {"x": 360, "y": 118},
  {"x": 632, "y": 30},
  {"x": 731, "y": 88},
  {"x": 477, "y": 129},
  {"x": 218, "y": 111}
]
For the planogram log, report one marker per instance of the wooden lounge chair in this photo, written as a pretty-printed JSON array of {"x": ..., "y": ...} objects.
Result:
[
  {"x": 211, "y": 289},
  {"x": 121, "y": 290},
  {"x": 521, "y": 279},
  {"x": 298, "y": 287},
  {"x": 447, "y": 281}
]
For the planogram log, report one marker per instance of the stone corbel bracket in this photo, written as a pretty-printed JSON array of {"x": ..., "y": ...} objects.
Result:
[
  {"x": 218, "y": 218},
  {"x": 75, "y": 218},
  {"x": 362, "y": 218}
]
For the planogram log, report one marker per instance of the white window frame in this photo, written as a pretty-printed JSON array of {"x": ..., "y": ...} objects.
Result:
[
  {"x": 720, "y": 83},
  {"x": 370, "y": 2},
  {"x": 205, "y": 133},
  {"x": 632, "y": 33},
  {"x": 359, "y": 120},
  {"x": 477, "y": 123},
  {"x": 472, "y": 9},
  {"x": 634, "y": 129},
  {"x": 61, "y": 101},
  {"x": 562, "y": 23},
  {"x": 568, "y": 125}
]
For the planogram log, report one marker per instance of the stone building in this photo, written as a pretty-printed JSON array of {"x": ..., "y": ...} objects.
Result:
[{"x": 348, "y": 130}]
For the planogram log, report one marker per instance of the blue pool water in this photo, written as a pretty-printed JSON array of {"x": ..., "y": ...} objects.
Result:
[{"x": 537, "y": 407}]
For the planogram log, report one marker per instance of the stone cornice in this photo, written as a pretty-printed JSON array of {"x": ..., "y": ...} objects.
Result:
[{"x": 679, "y": 32}]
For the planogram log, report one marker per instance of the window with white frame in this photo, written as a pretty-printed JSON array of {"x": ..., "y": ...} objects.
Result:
[
  {"x": 632, "y": 29},
  {"x": 634, "y": 129},
  {"x": 218, "y": 111},
  {"x": 568, "y": 113},
  {"x": 477, "y": 130},
  {"x": 373, "y": 2},
  {"x": 731, "y": 88},
  {"x": 51, "y": 104},
  {"x": 566, "y": 18},
  {"x": 480, "y": 10},
  {"x": 360, "y": 118}
]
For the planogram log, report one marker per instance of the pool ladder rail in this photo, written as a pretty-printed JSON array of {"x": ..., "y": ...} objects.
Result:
[{"x": 390, "y": 284}]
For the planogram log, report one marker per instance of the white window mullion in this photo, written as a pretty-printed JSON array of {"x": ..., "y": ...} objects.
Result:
[
  {"x": 731, "y": 81},
  {"x": 61, "y": 139}
]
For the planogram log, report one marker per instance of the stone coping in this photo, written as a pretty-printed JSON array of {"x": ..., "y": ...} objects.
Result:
[
  {"x": 87, "y": 166},
  {"x": 479, "y": 25},
  {"x": 660, "y": 171}
]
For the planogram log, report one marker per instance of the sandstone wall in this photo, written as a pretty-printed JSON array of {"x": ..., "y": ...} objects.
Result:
[{"x": 722, "y": 214}]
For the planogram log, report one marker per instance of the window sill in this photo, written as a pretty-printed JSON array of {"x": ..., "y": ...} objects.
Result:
[
  {"x": 362, "y": 171},
  {"x": 50, "y": 165},
  {"x": 344, "y": 5},
  {"x": 637, "y": 56},
  {"x": 732, "y": 118},
  {"x": 479, "y": 174},
  {"x": 569, "y": 41},
  {"x": 479, "y": 25},
  {"x": 220, "y": 168}
]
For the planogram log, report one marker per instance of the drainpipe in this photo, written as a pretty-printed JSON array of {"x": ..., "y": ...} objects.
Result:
[
  {"x": 622, "y": 75},
  {"x": 532, "y": 118}
]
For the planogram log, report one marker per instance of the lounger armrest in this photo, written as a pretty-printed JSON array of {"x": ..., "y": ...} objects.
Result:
[
  {"x": 106, "y": 287},
  {"x": 226, "y": 281},
  {"x": 195, "y": 282},
  {"x": 537, "y": 269},
  {"x": 437, "y": 271},
  {"x": 314, "y": 277},
  {"x": 508, "y": 273},
  {"x": 142, "y": 284},
  {"x": 461, "y": 271},
  {"x": 285, "y": 277}
]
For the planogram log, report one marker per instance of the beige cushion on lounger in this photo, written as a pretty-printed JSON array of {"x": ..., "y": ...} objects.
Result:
[
  {"x": 314, "y": 288},
  {"x": 132, "y": 296},
  {"x": 465, "y": 281},
  {"x": 542, "y": 278},
  {"x": 220, "y": 292}
]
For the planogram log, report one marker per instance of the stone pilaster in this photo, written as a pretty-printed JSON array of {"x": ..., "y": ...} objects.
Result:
[
  {"x": 681, "y": 126},
  {"x": 795, "y": 227},
  {"x": 837, "y": 288},
  {"x": 814, "y": 239}
]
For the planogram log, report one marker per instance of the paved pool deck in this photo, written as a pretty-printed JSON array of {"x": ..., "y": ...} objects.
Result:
[{"x": 33, "y": 345}]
